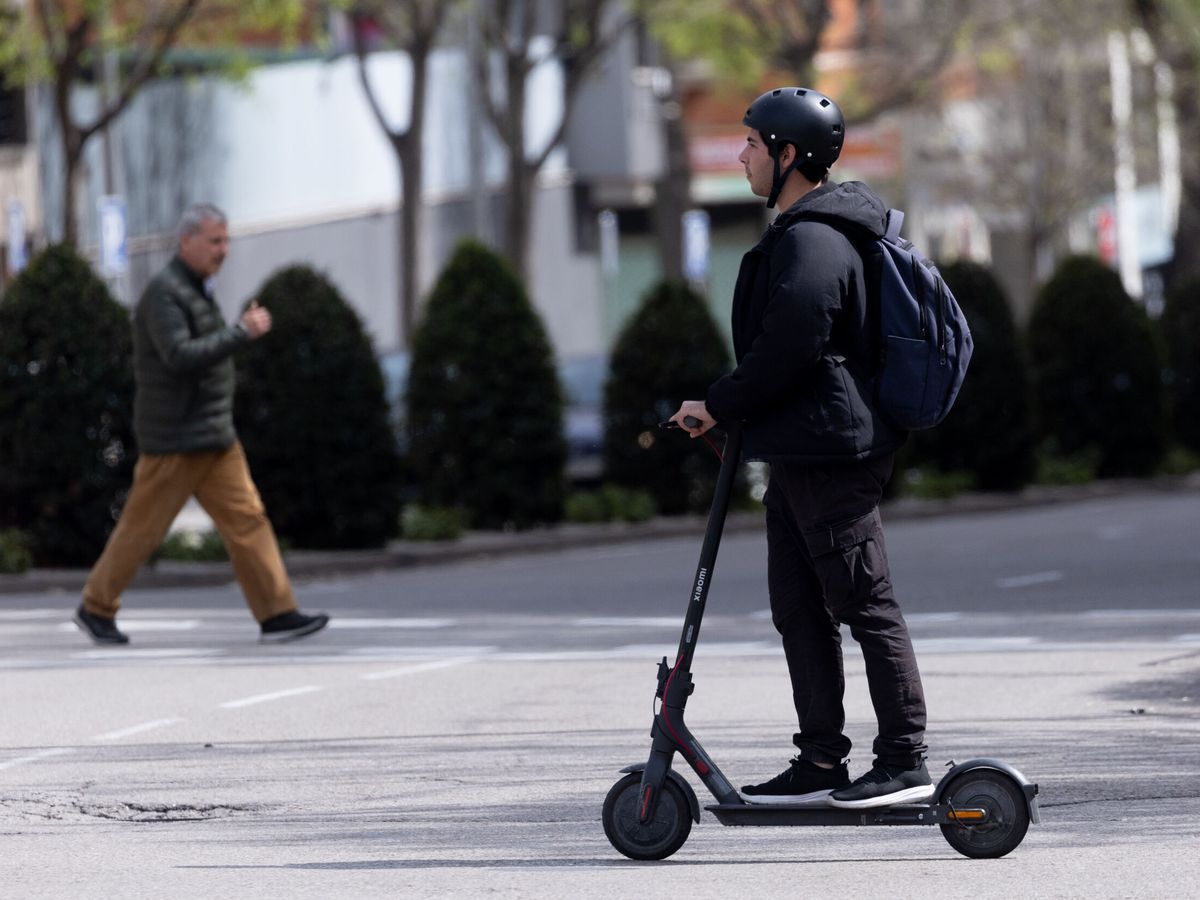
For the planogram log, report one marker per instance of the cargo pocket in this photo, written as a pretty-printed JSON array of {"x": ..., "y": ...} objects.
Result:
[{"x": 849, "y": 560}]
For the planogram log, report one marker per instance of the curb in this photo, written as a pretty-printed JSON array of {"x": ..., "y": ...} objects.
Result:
[{"x": 315, "y": 564}]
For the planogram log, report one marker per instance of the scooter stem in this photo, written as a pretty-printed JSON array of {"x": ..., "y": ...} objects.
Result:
[
  {"x": 669, "y": 733},
  {"x": 730, "y": 460}
]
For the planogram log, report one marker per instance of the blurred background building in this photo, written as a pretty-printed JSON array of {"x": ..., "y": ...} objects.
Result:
[{"x": 1008, "y": 140}]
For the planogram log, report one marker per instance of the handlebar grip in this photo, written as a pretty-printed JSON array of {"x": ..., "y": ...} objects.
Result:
[{"x": 689, "y": 421}]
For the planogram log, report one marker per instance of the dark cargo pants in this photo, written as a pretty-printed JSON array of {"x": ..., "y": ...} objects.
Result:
[{"x": 827, "y": 565}]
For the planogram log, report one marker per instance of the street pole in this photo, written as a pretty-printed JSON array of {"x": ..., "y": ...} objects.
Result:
[
  {"x": 476, "y": 148},
  {"x": 109, "y": 88},
  {"x": 1125, "y": 174}
]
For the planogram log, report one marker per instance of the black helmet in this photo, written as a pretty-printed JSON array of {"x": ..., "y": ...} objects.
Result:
[{"x": 805, "y": 118}]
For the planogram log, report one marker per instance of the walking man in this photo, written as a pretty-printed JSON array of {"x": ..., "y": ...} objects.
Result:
[
  {"x": 183, "y": 421},
  {"x": 801, "y": 392}
]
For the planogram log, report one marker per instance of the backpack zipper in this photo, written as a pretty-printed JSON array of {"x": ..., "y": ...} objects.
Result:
[
  {"x": 943, "y": 355},
  {"x": 919, "y": 284}
]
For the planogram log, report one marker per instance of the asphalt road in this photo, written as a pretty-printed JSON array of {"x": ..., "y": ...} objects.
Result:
[{"x": 456, "y": 729}]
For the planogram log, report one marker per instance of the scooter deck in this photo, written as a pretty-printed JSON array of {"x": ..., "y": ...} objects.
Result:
[{"x": 783, "y": 814}]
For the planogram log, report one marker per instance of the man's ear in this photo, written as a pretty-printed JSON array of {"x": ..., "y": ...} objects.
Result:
[{"x": 787, "y": 155}]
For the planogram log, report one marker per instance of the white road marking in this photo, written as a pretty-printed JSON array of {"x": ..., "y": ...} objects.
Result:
[
  {"x": 648, "y": 651},
  {"x": 338, "y": 622},
  {"x": 34, "y": 757},
  {"x": 134, "y": 729},
  {"x": 440, "y": 651},
  {"x": 629, "y": 622},
  {"x": 974, "y": 645},
  {"x": 146, "y": 626},
  {"x": 266, "y": 698},
  {"x": 417, "y": 667},
  {"x": 1020, "y": 581},
  {"x": 1140, "y": 615},
  {"x": 154, "y": 653}
]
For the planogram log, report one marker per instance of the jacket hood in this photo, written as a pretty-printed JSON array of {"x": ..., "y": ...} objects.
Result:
[{"x": 851, "y": 201}]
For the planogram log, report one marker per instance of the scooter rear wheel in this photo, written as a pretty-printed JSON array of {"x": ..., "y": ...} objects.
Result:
[
  {"x": 656, "y": 839},
  {"x": 1007, "y": 814}
]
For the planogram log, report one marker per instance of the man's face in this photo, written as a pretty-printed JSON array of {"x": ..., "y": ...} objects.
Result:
[
  {"x": 760, "y": 168},
  {"x": 204, "y": 252}
]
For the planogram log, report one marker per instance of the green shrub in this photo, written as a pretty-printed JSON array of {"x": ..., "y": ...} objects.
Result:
[
  {"x": 311, "y": 412},
  {"x": 628, "y": 504},
  {"x": 1181, "y": 460},
  {"x": 15, "y": 556},
  {"x": 989, "y": 433},
  {"x": 670, "y": 351},
  {"x": 1097, "y": 373},
  {"x": 431, "y": 523},
  {"x": 192, "y": 546},
  {"x": 611, "y": 502},
  {"x": 586, "y": 506},
  {"x": 935, "y": 484},
  {"x": 485, "y": 408},
  {"x": 66, "y": 408},
  {"x": 1055, "y": 468},
  {"x": 1181, "y": 329}
]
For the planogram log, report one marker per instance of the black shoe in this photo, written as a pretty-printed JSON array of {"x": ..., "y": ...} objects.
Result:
[
  {"x": 291, "y": 625},
  {"x": 98, "y": 628},
  {"x": 884, "y": 786},
  {"x": 803, "y": 783}
]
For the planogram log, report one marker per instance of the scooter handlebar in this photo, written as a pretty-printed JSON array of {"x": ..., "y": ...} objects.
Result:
[{"x": 689, "y": 421}]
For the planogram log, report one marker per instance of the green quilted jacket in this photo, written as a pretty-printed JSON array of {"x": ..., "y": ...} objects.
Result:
[{"x": 183, "y": 366}]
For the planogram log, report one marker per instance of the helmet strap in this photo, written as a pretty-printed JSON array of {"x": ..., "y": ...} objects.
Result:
[{"x": 780, "y": 177}]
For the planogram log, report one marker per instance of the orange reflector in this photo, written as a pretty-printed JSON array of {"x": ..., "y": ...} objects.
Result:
[{"x": 967, "y": 815}]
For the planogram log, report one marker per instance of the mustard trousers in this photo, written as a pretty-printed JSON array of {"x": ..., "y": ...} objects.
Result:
[{"x": 220, "y": 481}]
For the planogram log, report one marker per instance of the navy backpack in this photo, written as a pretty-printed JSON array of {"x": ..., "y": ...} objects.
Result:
[{"x": 925, "y": 344}]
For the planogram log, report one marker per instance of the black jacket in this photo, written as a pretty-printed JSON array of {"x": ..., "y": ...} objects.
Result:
[
  {"x": 183, "y": 366},
  {"x": 802, "y": 336}
]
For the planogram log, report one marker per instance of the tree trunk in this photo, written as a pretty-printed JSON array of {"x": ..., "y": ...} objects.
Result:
[
  {"x": 1185, "y": 262},
  {"x": 518, "y": 217},
  {"x": 410, "y": 230},
  {"x": 72, "y": 157},
  {"x": 412, "y": 170},
  {"x": 1174, "y": 46},
  {"x": 672, "y": 196}
]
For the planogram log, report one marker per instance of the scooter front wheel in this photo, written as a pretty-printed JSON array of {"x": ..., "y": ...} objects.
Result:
[
  {"x": 1007, "y": 814},
  {"x": 656, "y": 839}
]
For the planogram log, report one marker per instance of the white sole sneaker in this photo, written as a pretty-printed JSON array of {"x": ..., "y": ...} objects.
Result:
[
  {"x": 311, "y": 627},
  {"x": 816, "y": 798},
  {"x": 908, "y": 795}
]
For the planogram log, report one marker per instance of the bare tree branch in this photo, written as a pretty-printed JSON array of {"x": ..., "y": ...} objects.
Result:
[{"x": 168, "y": 34}]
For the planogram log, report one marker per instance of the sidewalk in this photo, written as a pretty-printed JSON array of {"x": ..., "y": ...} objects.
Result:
[{"x": 310, "y": 564}]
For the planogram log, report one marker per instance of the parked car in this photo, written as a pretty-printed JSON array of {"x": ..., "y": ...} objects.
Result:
[{"x": 582, "y": 379}]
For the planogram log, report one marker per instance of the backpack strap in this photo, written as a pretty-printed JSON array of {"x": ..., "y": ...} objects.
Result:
[{"x": 895, "y": 218}]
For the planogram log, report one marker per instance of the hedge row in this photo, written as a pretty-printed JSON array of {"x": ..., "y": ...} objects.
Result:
[
  {"x": 1090, "y": 384},
  {"x": 1092, "y": 379}
]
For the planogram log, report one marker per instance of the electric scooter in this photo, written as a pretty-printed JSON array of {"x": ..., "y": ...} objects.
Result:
[{"x": 983, "y": 806}]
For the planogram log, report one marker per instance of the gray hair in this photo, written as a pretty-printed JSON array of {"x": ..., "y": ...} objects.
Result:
[{"x": 196, "y": 215}]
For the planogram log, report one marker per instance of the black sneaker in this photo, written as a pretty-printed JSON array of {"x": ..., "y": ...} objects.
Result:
[
  {"x": 291, "y": 625},
  {"x": 803, "y": 783},
  {"x": 884, "y": 786},
  {"x": 100, "y": 629}
]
